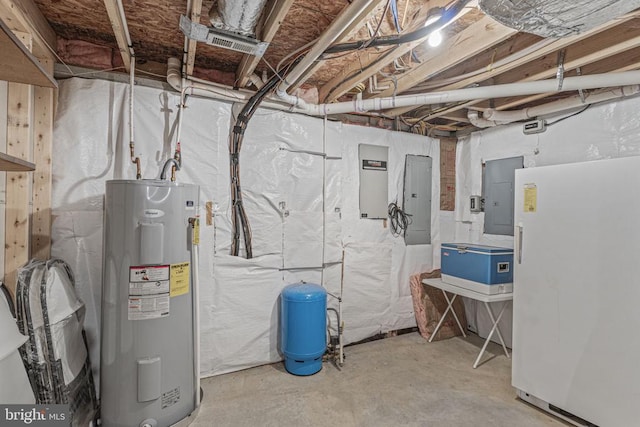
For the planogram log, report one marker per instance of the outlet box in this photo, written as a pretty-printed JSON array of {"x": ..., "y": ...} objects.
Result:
[{"x": 534, "y": 126}]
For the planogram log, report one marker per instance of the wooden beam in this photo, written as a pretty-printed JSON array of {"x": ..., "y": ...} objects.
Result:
[
  {"x": 370, "y": 62},
  {"x": 194, "y": 15},
  {"x": 269, "y": 24},
  {"x": 16, "y": 251},
  {"x": 25, "y": 16},
  {"x": 471, "y": 41},
  {"x": 548, "y": 49},
  {"x": 578, "y": 55},
  {"x": 119, "y": 30},
  {"x": 624, "y": 61},
  {"x": 17, "y": 64},
  {"x": 42, "y": 150},
  {"x": 348, "y": 32}
]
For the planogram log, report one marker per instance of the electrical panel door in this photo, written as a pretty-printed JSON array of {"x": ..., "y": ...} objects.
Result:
[
  {"x": 417, "y": 199},
  {"x": 374, "y": 181},
  {"x": 499, "y": 176}
]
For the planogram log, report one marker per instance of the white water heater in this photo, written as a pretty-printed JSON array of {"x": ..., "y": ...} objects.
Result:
[{"x": 149, "y": 366}]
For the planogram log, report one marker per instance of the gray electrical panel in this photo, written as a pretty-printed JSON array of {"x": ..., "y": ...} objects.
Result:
[
  {"x": 417, "y": 199},
  {"x": 374, "y": 181},
  {"x": 497, "y": 183}
]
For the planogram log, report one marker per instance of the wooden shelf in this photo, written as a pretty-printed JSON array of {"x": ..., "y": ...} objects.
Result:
[
  {"x": 13, "y": 164},
  {"x": 17, "y": 64}
]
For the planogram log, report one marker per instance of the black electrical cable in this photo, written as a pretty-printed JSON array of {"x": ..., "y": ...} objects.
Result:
[
  {"x": 397, "y": 39},
  {"x": 399, "y": 220},
  {"x": 569, "y": 116},
  {"x": 239, "y": 219}
]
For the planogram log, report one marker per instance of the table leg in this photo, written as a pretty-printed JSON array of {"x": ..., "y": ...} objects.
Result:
[
  {"x": 449, "y": 308},
  {"x": 455, "y": 316},
  {"x": 493, "y": 329},
  {"x": 504, "y": 305}
]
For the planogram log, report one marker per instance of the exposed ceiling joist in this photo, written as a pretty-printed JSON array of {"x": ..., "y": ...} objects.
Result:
[
  {"x": 119, "y": 30},
  {"x": 549, "y": 49},
  {"x": 194, "y": 15},
  {"x": 370, "y": 62},
  {"x": 471, "y": 41},
  {"x": 605, "y": 65},
  {"x": 346, "y": 33},
  {"x": 25, "y": 16},
  {"x": 268, "y": 27}
]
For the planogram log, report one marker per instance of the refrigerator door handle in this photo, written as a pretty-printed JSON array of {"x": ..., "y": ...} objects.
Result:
[{"x": 518, "y": 242}]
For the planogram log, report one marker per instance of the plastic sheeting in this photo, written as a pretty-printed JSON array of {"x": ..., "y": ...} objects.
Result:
[
  {"x": 556, "y": 18},
  {"x": 293, "y": 168},
  {"x": 601, "y": 132},
  {"x": 12, "y": 370}
]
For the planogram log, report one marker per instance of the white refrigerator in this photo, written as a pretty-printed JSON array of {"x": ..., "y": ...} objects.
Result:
[{"x": 576, "y": 307}]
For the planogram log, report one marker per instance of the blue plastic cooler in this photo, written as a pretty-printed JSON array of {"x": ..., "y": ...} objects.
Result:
[{"x": 490, "y": 265}]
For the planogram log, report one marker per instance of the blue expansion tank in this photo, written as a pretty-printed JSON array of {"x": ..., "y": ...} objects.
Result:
[{"x": 303, "y": 323}]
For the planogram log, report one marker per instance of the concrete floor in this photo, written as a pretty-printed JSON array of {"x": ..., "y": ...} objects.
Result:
[{"x": 400, "y": 381}]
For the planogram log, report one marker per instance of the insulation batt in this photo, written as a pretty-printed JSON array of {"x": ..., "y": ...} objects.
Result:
[
  {"x": 556, "y": 18},
  {"x": 287, "y": 160}
]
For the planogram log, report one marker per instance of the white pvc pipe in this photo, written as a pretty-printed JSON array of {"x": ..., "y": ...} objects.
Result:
[
  {"x": 593, "y": 81},
  {"x": 560, "y": 105},
  {"x": 256, "y": 80},
  {"x": 211, "y": 90},
  {"x": 481, "y": 122},
  {"x": 196, "y": 319},
  {"x": 132, "y": 84},
  {"x": 336, "y": 28}
]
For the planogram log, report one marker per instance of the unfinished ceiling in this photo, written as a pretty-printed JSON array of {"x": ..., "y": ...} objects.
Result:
[{"x": 477, "y": 50}]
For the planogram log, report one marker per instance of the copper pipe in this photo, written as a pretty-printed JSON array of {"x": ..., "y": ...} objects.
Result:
[{"x": 135, "y": 160}]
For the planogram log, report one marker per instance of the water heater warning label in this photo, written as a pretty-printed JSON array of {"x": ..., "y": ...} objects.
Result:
[
  {"x": 149, "y": 289},
  {"x": 148, "y": 307},
  {"x": 145, "y": 273},
  {"x": 179, "y": 279},
  {"x": 170, "y": 397}
]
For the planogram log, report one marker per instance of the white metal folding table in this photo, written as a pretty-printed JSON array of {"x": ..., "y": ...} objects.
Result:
[{"x": 486, "y": 299}]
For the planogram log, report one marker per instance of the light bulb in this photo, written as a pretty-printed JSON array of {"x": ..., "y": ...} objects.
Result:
[{"x": 435, "y": 39}]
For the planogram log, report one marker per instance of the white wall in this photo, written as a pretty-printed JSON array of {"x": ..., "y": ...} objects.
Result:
[
  {"x": 282, "y": 160},
  {"x": 601, "y": 132}
]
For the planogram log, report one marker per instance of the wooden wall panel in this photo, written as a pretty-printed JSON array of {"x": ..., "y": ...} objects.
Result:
[
  {"x": 42, "y": 138},
  {"x": 18, "y": 186}
]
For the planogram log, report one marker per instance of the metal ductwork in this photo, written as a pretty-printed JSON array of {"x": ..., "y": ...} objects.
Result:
[
  {"x": 235, "y": 16},
  {"x": 233, "y": 26},
  {"x": 556, "y": 18}
]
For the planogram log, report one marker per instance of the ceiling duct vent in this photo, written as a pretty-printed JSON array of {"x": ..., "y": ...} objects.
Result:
[
  {"x": 556, "y": 18},
  {"x": 222, "y": 38}
]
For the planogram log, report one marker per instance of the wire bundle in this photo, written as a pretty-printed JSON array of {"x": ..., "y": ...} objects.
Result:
[
  {"x": 399, "y": 220},
  {"x": 239, "y": 220}
]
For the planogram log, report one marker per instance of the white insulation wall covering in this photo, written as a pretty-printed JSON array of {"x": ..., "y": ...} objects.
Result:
[
  {"x": 293, "y": 168},
  {"x": 601, "y": 132}
]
